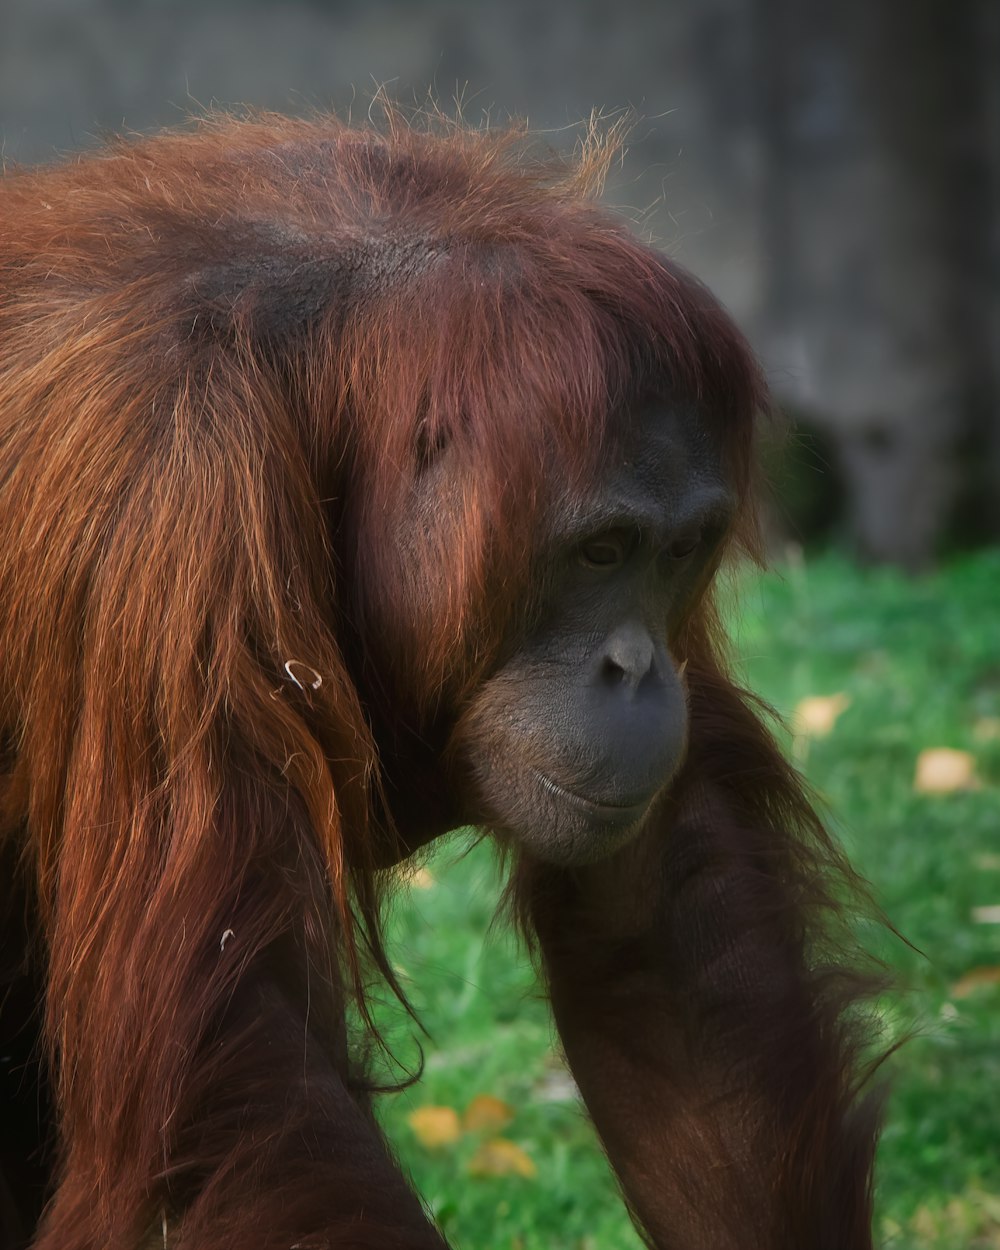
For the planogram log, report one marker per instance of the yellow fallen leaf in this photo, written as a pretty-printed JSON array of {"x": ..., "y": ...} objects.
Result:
[
  {"x": 975, "y": 979},
  {"x": 486, "y": 1114},
  {"x": 926, "y": 1223},
  {"x": 415, "y": 875},
  {"x": 986, "y": 915},
  {"x": 500, "y": 1157},
  {"x": 986, "y": 729},
  {"x": 435, "y": 1126},
  {"x": 816, "y": 716},
  {"x": 940, "y": 770}
]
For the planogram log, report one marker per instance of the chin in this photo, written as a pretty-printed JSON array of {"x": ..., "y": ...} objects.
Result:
[{"x": 564, "y": 828}]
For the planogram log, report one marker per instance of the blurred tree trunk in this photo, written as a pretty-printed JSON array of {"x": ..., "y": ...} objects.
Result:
[{"x": 877, "y": 222}]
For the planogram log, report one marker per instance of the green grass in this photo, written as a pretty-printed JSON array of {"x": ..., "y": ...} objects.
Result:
[{"x": 919, "y": 661}]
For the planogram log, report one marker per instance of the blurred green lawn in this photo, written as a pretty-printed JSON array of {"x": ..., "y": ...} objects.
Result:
[{"x": 919, "y": 661}]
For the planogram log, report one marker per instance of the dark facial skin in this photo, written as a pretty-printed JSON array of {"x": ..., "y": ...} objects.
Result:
[{"x": 570, "y": 741}]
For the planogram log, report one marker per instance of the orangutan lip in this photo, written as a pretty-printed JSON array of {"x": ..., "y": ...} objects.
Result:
[{"x": 617, "y": 811}]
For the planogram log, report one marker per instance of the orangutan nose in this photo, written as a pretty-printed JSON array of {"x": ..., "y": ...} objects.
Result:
[{"x": 629, "y": 656}]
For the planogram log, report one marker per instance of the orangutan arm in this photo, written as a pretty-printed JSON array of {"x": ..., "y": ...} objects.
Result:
[{"x": 708, "y": 1042}]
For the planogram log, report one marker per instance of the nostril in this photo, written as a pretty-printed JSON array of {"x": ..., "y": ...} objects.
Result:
[{"x": 612, "y": 671}]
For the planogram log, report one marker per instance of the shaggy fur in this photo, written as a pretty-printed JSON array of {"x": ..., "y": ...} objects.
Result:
[{"x": 225, "y": 357}]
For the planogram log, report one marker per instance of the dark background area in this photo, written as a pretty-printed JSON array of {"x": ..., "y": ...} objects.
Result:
[{"x": 832, "y": 171}]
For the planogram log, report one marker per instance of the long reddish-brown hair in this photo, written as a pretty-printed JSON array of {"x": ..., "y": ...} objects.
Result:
[
  {"x": 183, "y": 510},
  {"x": 213, "y": 405}
]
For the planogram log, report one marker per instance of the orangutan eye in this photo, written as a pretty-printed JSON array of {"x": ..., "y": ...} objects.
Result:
[
  {"x": 608, "y": 550},
  {"x": 683, "y": 545}
]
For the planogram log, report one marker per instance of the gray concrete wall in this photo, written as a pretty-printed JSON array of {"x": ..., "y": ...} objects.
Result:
[{"x": 830, "y": 174}]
